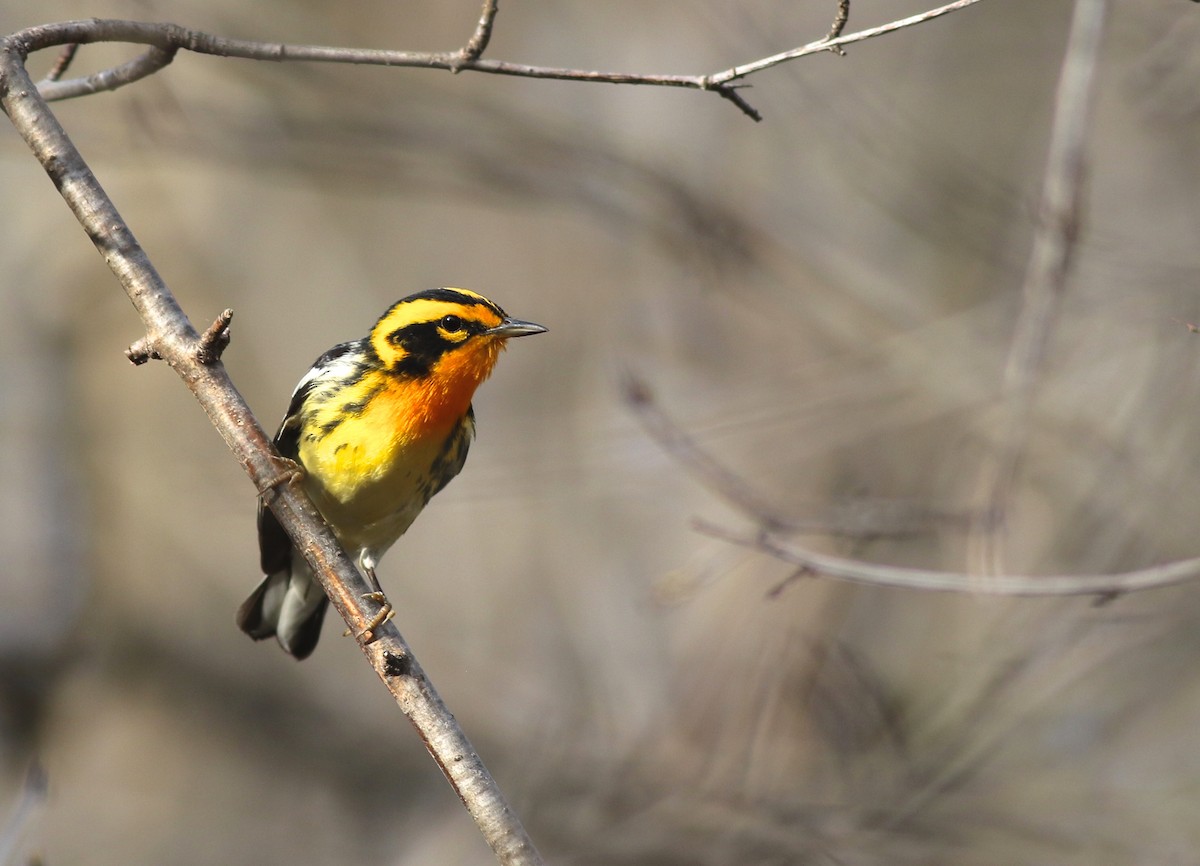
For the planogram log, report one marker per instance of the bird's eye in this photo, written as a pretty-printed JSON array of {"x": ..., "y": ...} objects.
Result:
[{"x": 451, "y": 323}]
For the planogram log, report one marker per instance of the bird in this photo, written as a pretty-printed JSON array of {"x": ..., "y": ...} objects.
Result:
[{"x": 376, "y": 428}]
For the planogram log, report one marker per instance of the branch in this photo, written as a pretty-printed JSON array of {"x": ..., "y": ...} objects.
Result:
[
  {"x": 30, "y": 798},
  {"x": 728, "y": 485},
  {"x": 170, "y": 336},
  {"x": 1059, "y": 218},
  {"x": 839, "y": 24},
  {"x": 483, "y": 34},
  {"x": 855, "y": 519},
  {"x": 827, "y": 43},
  {"x": 167, "y": 39},
  {"x": 1104, "y": 586}
]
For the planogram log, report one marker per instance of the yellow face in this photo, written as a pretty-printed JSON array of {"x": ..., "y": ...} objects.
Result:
[{"x": 437, "y": 329}]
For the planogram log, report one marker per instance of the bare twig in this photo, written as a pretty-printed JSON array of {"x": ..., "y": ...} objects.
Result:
[
  {"x": 171, "y": 336},
  {"x": 839, "y": 24},
  {"x": 825, "y": 44},
  {"x": 1104, "y": 587},
  {"x": 478, "y": 42},
  {"x": 141, "y": 66},
  {"x": 142, "y": 350},
  {"x": 63, "y": 62},
  {"x": 215, "y": 340},
  {"x": 729, "y": 486},
  {"x": 672, "y": 439},
  {"x": 169, "y": 38},
  {"x": 1059, "y": 218}
]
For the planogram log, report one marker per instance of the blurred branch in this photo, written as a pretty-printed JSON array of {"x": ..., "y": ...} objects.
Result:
[
  {"x": 858, "y": 518},
  {"x": 63, "y": 63},
  {"x": 729, "y": 486},
  {"x": 167, "y": 39},
  {"x": 1060, "y": 213},
  {"x": 32, "y": 795},
  {"x": 171, "y": 337},
  {"x": 1105, "y": 587}
]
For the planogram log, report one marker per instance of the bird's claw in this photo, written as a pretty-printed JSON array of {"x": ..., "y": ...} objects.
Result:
[{"x": 384, "y": 614}]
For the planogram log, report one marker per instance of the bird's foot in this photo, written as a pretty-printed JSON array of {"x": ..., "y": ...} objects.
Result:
[
  {"x": 384, "y": 614},
  {"x": 290, "y": 472}
]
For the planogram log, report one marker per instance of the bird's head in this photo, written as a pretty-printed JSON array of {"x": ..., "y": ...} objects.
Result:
[{"x": 453, "y": 335}]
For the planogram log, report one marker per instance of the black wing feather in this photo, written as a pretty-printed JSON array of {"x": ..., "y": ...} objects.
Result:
[{"x": 274, "y": 546}]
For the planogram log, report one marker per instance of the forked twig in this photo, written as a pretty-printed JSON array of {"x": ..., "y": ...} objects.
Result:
[
  {"x": 167, "y": 39},
  {"x": 839, "y": 24},
  {"x": 483, "y": 33},
  {"x": 672, "y": 438}
]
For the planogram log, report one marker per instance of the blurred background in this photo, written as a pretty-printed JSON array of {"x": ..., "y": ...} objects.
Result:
[{"x": 824, "y": 301}]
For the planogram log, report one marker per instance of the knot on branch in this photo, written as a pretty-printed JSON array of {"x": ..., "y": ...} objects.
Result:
[
  {"x": 142, "y": 350},
  {"x": 397, "y": 664},
  {"x": 215, "y": 340}
]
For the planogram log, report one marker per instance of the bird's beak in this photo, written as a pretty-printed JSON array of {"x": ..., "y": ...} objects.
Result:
[{"x": 515, "y": 328}]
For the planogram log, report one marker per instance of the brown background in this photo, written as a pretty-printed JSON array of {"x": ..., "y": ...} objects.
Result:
[{"x": 824, "y": 300}]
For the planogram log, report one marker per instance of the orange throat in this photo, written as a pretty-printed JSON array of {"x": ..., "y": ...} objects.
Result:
[{"x": 435, "y": 403}]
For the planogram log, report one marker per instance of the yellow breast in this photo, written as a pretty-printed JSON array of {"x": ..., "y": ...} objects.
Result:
[{"x": 396, "y": 443}]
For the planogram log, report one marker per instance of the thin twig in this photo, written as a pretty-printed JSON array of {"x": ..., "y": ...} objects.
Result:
[
  {"x": 1060, "y": 214},
  {"x": 718, "y": 478},
  {"x": 859, "y": 518},
  {"x": 170, "y": 335},
  {"x": 142, "y": 350},
  {"x": 143, "y": 65},
  {"x": 730, "y": 487},
  {"x": 825, "y": 44},
  {"x": 215, "y": 340},
  {"x": 478, "y": 42},
  {"x": 63, "y": 62},
  {"x": 839, "y": 24},
  {"x": 1104, "y": 586},
  {"x": 170, "y": 38}
]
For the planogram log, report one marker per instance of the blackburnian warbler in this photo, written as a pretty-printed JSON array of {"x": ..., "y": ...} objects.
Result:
[{"x": 378, "y": 425}]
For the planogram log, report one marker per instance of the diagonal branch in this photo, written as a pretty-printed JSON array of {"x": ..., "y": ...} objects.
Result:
[
  {"x": 196, "y": 360},
  {"x": 1060, "y": 213}
]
